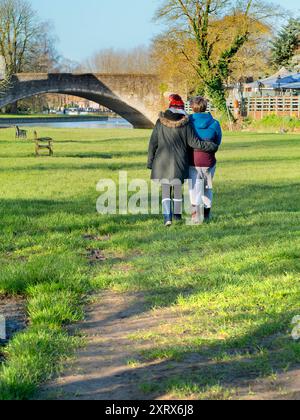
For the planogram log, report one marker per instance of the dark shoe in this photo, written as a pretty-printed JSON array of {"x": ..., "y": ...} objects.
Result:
[
  {"x": 177, "y": 217},
  {"x": 207, "y": 215}
]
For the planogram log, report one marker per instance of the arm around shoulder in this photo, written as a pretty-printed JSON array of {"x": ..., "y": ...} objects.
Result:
[{"x": 195, "y": 143}]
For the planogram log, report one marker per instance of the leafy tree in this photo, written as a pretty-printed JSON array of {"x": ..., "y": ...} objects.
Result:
[
  {"x": 219, "y": 30},
  {"x": 172, "y": 66},
  {"x": 286, "y": 44},
  {"x": 252, "y": 60}
]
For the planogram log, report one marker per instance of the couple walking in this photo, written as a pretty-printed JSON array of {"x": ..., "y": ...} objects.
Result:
[{"x": 183, "y": 148}]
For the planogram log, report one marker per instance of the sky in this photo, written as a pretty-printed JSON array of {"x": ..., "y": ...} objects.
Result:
[{"x": 86, "y": 26}]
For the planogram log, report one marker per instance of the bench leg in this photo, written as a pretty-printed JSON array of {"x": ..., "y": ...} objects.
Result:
[{"x": 50, "y": 150}]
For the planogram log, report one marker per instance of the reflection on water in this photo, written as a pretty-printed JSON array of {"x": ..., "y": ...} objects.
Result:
[{"x": 111, "y": 123}]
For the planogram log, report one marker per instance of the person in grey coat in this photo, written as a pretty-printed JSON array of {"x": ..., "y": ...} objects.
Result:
[{"x": 168, "y": 158}]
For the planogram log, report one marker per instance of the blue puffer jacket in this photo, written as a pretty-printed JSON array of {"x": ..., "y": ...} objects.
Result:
[{"x": 207, "y": 128}]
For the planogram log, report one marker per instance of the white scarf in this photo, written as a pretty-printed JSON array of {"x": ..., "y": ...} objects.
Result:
[{"x": 178, "y": 111}]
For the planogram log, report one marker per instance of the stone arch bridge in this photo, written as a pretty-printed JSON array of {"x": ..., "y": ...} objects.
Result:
[{"x": 136, "y": 98}]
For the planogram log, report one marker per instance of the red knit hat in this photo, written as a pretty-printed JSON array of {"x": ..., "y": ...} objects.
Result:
[{"x": 176, "y": 102}]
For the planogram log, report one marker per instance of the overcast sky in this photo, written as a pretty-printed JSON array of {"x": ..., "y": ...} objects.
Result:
[{"x": 86, "y": 26}]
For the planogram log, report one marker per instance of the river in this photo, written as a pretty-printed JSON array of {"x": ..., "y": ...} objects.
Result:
[{"x": 111, "y": 123}]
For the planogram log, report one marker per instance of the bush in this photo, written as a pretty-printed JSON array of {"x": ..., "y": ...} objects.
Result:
[{"x": 276, "y": 122}]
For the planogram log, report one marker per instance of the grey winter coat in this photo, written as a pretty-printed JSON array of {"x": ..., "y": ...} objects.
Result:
[{"x": 171, "y": 140}]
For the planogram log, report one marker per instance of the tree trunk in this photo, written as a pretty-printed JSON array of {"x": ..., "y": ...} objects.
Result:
[
  {"x": 215, "y": 91},
  {"x": 12, "y": 109}
]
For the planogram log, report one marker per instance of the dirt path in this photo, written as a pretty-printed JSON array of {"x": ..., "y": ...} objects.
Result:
[
  {"x": 110, "y": 368},
  {"x": 14, "y": 311},
  {"x": 103, "y": 370}
]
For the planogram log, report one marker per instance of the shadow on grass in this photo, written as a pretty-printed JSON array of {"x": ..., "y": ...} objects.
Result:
[
  {"x": 42, "y": 166},
  {"x": 96, "y": 155},
  {"x": 251, "y": 200},
  {"x": 259, "y": 160},
  {"x": 267, "y": 144},
  {"x": 224, "y": 363},
  {"x": 259, "y": 214},
  {"x": 232, "y": 367}
]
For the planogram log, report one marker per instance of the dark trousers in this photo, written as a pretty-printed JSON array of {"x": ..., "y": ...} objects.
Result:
[{"x": 171, "y": 194}]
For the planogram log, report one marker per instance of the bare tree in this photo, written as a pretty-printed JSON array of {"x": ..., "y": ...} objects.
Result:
[
  {"x": 24, "y": 40},
  {"x": 26, "y": 44},
  {"x": 42, "y": 55},
  {"x": 64, "y": 65},
  {"x": 137, "y": 60}
]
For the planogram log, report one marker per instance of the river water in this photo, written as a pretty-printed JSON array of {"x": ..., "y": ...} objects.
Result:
[{"x": 111, "y": 123}]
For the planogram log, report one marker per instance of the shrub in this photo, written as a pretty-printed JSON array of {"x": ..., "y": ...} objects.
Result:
[{"x": 277, "y": 123}]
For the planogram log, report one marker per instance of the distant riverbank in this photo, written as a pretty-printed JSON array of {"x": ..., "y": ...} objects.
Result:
[
  {"x": 49, "y": 116},
  {"x": 24, "y": 120},
  {"x": 77, "y": 122}
]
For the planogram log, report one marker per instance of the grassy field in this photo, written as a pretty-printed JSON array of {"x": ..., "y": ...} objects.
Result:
[{"x": 235, "y": 282}]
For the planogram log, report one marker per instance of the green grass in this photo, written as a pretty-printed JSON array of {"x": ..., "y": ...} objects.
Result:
[
  {"x": 275, "y": 122},
  {"x": 234, "y": 284}
]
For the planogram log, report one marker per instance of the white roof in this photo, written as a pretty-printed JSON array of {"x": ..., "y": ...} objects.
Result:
[{"x": 282, "y": 79}]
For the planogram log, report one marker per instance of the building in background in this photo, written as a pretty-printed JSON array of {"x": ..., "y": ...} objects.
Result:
[
  {"x": 276, "y": 95},
  {"x": 61, "y": 102}
]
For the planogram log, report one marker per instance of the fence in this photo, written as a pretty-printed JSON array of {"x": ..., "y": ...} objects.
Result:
[{"x": 261, "y": 106}]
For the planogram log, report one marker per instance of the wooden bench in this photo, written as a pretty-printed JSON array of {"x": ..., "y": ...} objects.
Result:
[
  {"x": 42, "y": 143},
  {"x": 20, "y": 134}
]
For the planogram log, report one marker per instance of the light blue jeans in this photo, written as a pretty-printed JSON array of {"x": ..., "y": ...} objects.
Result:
[{"x": 206, "y": 175}]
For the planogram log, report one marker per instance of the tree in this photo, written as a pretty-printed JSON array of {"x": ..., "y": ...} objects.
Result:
[
  {"x": 137, "y": 60},
  {"x": 215, "y": 50},
  {"x": 64, "y": 65},
  {"x": 42, "y": 56},
  {"x": 286, "y": 44},
  {"x": 25, "y": 43},
  {"x": 252, "y": 60},
  {"x": 171, "y": 65},
  {"x": 24, "y": 40}
]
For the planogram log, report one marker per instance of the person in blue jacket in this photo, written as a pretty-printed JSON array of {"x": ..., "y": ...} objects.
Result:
[{"x": 203, "y": 164}]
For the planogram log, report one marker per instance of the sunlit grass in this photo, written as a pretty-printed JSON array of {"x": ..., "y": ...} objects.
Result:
[{"x": 233, "y": 284}]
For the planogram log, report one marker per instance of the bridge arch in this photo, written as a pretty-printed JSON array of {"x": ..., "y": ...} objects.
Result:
[{"x": 136, "y": 98}]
